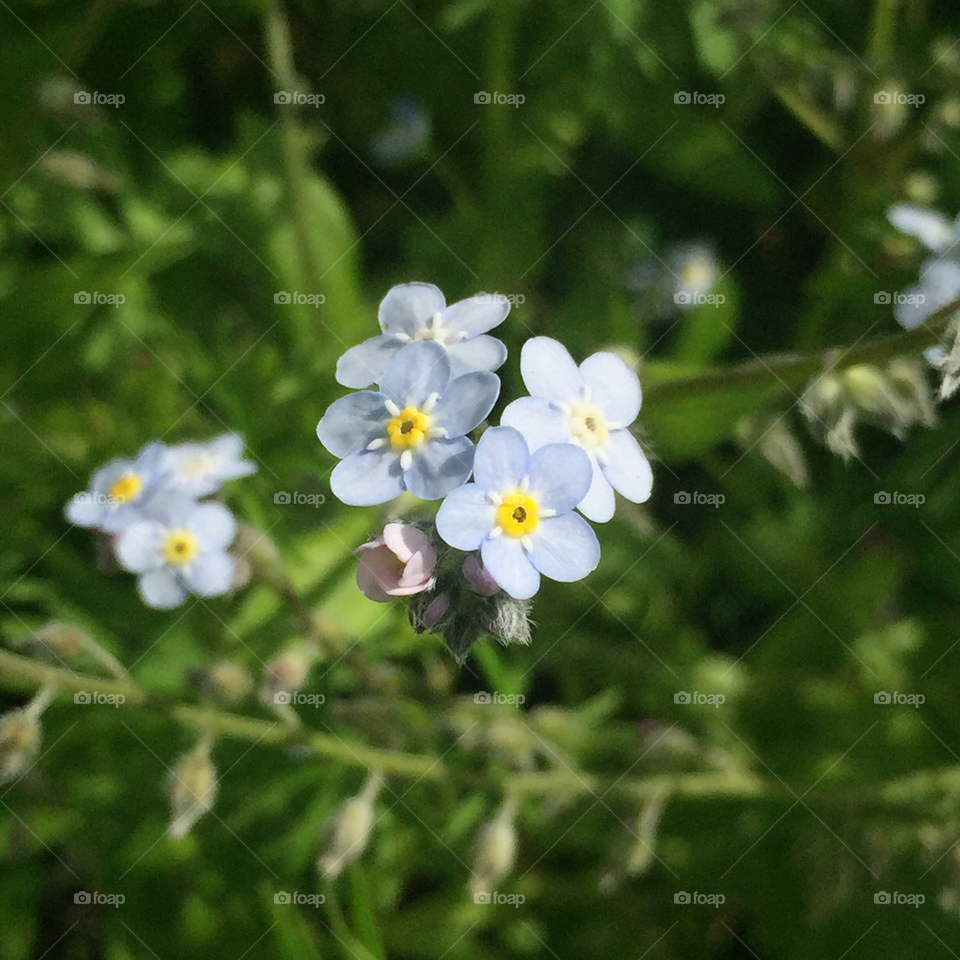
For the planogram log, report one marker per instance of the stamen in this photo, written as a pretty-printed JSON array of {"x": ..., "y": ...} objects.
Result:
[
  {"x": 403, "y": 337},
  {"x": 586, "y": 394},
  {"x": 392, "y": 408},
  {"x": 406, "y": 460},
  {"x": 495, "y": 532},
  {"x": 601, "y": 455},
  {"x": 562, "y": 407},
  {"x": 524, "y": 485},
  {"x": 437, "y": 432},
  {"x": 429, "y": 403},
  {"x": 377, "y": 444},
  {"x": 545, "y": 513},
  {"x": 495, "y": 499},
  {"x": 614, "y": 425},
  {"x": 526, "y": 542}
]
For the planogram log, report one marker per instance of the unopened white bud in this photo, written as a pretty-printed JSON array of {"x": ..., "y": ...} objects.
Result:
[
  {"x": 20, "y": 735},
  {"x": 497, "y": 849},
  {"x": 192, "y": 788},
  {"x": 351, "y": 829}
]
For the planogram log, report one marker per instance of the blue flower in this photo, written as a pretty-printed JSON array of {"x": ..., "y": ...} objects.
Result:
[
  {"x": 939, "y": 275},
  {"x": 519, "y": 513},
  {"x": 197, "y": 469},
  {"x": 405, "y": 137},
  {"x": 418, "y": 311},
  {"x": 591, "y": 407},
  {"x": 120, "y": 491},
  {"x": 411, "y": 434},
  {"x": 183, "y": 547}
]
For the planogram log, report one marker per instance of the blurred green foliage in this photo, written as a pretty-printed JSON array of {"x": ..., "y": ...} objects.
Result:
[{"x": 200, "y": 198}]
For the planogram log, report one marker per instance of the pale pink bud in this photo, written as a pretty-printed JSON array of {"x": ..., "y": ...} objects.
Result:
[
  {"x": 479, "y": 580},
  {"x": 398, "y": 563}
]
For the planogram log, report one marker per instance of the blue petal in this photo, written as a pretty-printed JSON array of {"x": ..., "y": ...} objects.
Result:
[
  {"x": 84, "y": 511},
  {"x": 614, "y": 387},
  {"x": 599, "y": 503},
  {"x": 502, "y": 459},
  {"x": 539, "y": 423},
  {"x": 213, "y": 525},
  {"x": 549, "y": 372},
  {"x": 407, "y": 307},
  {"x": 139, "y": 546},
  {"x": 627, "y": 469},
  {"x": 478, "y": 353},
  {"x": 366, "y": 478},
  {"x": 565, "y": 548},
  {"x": 939, "y": 284},
  {"x": 365, "y": 363},
  {"x": 211, "y": 574},
  {"x": 466, "y": 517},
  {"x": 560, "y": 476},
  {"x": 932, "y": 229},
  {"x": 467, "y": 402},
  {"x": 161, "y": 589},
  {"x": 351, "y": 422},
  {"x": 477, "y": 315},
  {"x": 418, "y": 370},
  {"x": 506, "y": 561},
  {"x": 438, "y": 467}
]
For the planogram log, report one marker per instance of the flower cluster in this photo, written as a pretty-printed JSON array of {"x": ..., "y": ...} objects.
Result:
[
  {"x": 159, "y": 527},
  {"x": 567, "y": 447}
]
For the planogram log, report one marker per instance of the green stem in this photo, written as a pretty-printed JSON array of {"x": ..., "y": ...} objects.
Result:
[
  {"x": 906, "y": 795},
  {"x": 794, "y": 372}
]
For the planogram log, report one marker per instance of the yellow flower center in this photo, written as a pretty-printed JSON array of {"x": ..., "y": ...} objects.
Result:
[
  {"x": 517, "y": 514},
  {"x": 587, "y": 425},
  {"x": 408, "y": 429},
  {"x": 199, "y": 466},
  {"x": 180, "y": 547},
  {"x": 126, "y": 488}
]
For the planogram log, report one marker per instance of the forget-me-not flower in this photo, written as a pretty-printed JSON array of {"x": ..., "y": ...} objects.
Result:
[
  {"x": 418, "y": 311},
  {"x": 181, "y": 548},
  {"x": 119, "y": 491},
  {"x": 590, "y": 406},
  {"x": 410, "y": 435},
  {"x": 519, "y": 513},
  {"x": 199, "y": 468},
  {"x": 939, "y": 275}
]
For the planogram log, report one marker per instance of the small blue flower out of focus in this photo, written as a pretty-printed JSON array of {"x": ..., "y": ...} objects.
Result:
[
  {"x": 181, "y": 548},
  {"x": 119, "y": 491},
  {"x": 197, "y": 469},
  {"x": 519, "y": 513},
  {"x": 410, "y": 435},
  {"x": 406, "y": 135},
  {"x": 158, "y": 529},
  {"x": 939, "y": 275},
  {"x": 591, "y": 406},
  {"x": 418, "y": 311}
]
